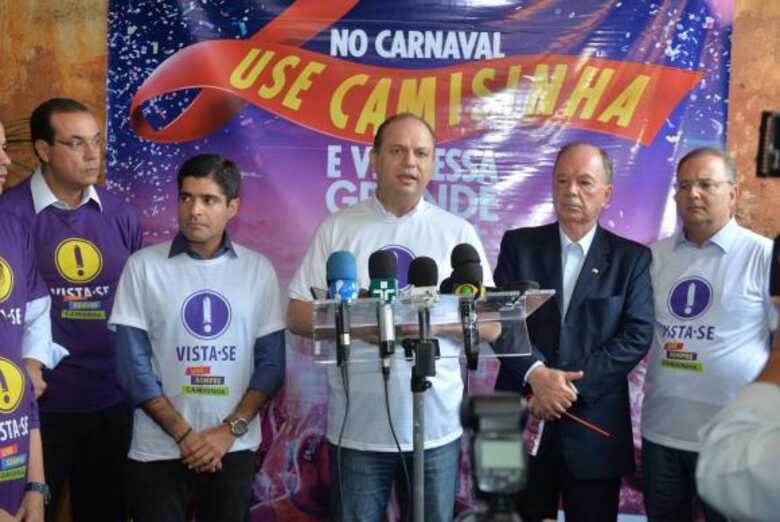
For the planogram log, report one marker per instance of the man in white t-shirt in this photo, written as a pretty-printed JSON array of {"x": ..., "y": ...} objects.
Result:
[
  {"x": 397, "y": 219},
  {"x": 713, "y": 317},
  {"x": 200, "y": 349}
]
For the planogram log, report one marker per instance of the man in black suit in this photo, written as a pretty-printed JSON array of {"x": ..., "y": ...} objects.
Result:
[{"x": 585, "y": 341}]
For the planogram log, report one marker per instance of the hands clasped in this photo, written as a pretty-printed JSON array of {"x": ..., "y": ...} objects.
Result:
[{"x": 553, "y": 392}]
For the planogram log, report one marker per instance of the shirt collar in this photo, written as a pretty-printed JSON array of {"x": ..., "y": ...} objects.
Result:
[
  {"x": 43, "y": 197},
  {"x": 723, "y": 238},
  {"x": 584, "y": 242},
  {"x": 180, "y": 245},
  {"x": 381, "y": 210}
]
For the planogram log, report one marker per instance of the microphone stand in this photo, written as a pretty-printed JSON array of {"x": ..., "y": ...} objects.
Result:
[
  {"x": 343, "y": 340},
  {"x": 468, "y": 317},
  {"x": 425, "y": 350}
]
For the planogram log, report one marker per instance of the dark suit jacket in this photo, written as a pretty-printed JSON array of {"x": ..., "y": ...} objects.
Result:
[{"x": 607, "y": 330}]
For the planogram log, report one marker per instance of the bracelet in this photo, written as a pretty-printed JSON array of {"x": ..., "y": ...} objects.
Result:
[{"x": 184, "y": 436}]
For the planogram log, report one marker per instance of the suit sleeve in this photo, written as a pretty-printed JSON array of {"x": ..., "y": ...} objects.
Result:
[
  {"x": 507, "y": 270},
  {"x": 623, "y": 351}
]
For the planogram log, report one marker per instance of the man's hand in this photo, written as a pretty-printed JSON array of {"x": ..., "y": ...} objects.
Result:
[
  {"x": 34, "y": 369},
  {"x": 30, "y": 510},
  {"x": 533, "y": 407},
  {"x": 202, "y": 451},
  {"x": 553, "y": 393}
]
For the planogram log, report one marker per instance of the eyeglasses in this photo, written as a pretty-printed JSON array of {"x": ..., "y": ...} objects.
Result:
[
  {"x": 706, "y": 185},
  {"x": 79, "y": 144}
]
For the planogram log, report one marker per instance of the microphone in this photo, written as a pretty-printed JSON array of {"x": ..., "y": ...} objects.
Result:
[
  {"x": 383, "y": 271},
  {"x": 423, "y": 276},
  {"x": 341, "y": 273},
  {"x": 467, "y": 284},
  {"x": 463, "y": 254}
]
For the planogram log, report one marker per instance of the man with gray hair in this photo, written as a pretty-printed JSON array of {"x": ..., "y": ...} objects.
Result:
[
  {"x": 585, "y": 341},
  {"x": 713, "y": 318}
]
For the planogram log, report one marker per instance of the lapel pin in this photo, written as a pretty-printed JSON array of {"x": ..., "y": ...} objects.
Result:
[{"x": 596, "y": 271}]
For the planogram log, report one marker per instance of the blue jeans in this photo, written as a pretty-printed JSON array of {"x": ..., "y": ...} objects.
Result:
[
  {"x": 368, "y": 478},
  {"x": 669, "y": 484}
]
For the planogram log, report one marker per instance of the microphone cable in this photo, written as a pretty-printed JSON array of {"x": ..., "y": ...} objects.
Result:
[
  {"x": 407, "y": 480},
  {"x": 344, "y": 370}
]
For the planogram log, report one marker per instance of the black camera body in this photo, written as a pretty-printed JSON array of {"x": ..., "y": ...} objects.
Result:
[{"x": 499, "y": 462}]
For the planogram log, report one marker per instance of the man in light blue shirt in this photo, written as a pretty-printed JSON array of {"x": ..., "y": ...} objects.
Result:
[
  {"x": 713, "y": 319},
  {"x": 200, "y": 349}
]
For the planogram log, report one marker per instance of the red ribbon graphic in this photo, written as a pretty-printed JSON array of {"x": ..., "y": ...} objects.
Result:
[{"x": 349, "y": 100}]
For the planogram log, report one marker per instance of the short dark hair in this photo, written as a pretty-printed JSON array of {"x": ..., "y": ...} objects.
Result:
[
  {"x": 728, "y": 161},
  {"x": 398, "y": 117},
  {"x": 223, "y": 171},
  {"x": 40, "y": 120},
  {"x": 606, "y": 161}
]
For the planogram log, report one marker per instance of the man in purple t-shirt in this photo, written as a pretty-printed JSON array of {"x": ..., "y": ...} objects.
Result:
[
  {"x": 82, "y": 235},
  {"x": 24, "y": 322}
]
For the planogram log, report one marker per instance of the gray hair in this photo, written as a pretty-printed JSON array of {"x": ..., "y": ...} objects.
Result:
[
  {"x": 725, "y": 157},
  {"x": 606, "y": 161}
]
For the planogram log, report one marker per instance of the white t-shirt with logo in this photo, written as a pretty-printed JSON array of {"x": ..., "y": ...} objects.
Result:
[
  {"x": 202, "y": 317},
  {"x": 713, "y": 318},
  {"x": 362, "y": 229}
]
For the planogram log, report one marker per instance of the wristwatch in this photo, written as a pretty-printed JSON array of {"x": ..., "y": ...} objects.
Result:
[
  {"x": 238, "y": 426},
  {"x": 39, "y": 487}
]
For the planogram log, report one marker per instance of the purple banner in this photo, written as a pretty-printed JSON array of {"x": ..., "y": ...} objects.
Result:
[{"x": 505, "y": 85}]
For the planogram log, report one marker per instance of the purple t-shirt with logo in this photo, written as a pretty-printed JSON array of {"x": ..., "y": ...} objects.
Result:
[
  {"x": 80, "y": 255},
  {"x": 19, "y": 283}
]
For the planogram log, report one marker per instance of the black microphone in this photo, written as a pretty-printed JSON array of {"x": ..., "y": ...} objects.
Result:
[
  {"x": 423, "y": 276},
  {"x": 383, "y": 271},
  {"x": 467, "y": 284},
  {"x": 462, "y": 254},
  {"x": 341, "y": 275}
]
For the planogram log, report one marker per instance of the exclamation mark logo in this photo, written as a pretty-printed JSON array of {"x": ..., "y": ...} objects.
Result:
[
  {"x": 79, "y": 260},
  {"x": 207, "y": 314},
  {"x": 691, "y": 298},
  {"x": 6, "y": 280},
  {"x": 4, "y": 389}
]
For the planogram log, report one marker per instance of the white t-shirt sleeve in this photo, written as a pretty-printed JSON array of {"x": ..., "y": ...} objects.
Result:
[
  {"x": 130, "y": 301},
  {"x": 312, "y": 271},
  {"x": 470, "y": 236}
]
